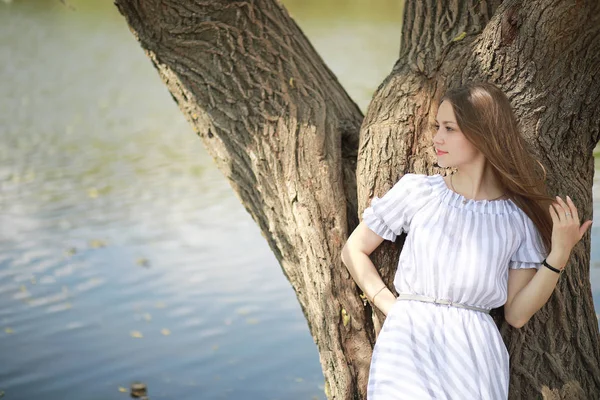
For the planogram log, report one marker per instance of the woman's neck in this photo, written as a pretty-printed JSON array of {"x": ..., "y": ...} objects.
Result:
[{"x": 477, "y": 185}]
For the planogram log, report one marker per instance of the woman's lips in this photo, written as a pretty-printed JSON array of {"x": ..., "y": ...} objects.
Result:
[{"x": 441, "y": 153}]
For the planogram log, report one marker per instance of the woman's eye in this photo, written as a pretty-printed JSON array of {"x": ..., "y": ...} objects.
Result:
[{"x": 448, "y": 128}]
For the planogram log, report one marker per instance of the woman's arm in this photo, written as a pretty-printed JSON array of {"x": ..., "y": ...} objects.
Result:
[
  {"x": 355, "y": 256},
  {"x": 529, "y": 289}
]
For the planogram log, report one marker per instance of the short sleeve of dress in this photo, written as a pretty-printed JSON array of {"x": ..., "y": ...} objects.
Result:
[
  {"x": 531, "y": 251},
  {"x": 391, "y": 214}
]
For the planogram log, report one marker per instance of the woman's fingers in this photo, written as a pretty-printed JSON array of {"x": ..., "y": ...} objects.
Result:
[
  {"x": 573, "y": 208},
  {"x": 554, "y": 215},
  {"x": 560, "y": 212},
  {"x": 584, "y": 227},
  {"x": 565, "y": 208}
]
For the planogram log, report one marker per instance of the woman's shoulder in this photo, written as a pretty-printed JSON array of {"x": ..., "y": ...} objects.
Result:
[
  {"x": 411, "y": 180},
  {"x": 417, "y": 187},
  {"x": 414, "y": 178},
  {"x": 423, "y": 182}
]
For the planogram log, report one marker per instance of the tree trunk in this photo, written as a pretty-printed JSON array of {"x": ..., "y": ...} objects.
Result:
[{"x": 292, "y": 144}]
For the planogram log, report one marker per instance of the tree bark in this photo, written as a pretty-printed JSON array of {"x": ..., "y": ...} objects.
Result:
[{"x": 304, "y": 163}]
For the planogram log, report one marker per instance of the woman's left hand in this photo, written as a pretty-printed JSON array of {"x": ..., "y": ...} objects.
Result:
[{"x": 566, "y": 231}]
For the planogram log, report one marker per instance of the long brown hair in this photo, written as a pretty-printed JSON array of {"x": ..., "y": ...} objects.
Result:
[{"x": 486, "y": 118}]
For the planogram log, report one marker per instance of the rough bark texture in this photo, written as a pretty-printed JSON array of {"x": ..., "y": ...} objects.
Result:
[
  {"x": 285, "y": 133},
  {"x": 545, "y": 56},
  {"x": 289, "y": 139}
]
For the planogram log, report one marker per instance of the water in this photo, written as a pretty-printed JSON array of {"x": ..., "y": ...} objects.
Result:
[{"x": 124, "y": 253}]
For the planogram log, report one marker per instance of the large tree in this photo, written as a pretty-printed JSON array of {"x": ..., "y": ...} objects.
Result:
[{"x": 304, "y": 161}]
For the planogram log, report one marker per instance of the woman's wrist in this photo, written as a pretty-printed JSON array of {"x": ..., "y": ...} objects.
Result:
[
  {"x": 378, "y": 292},
  {"x": 557, "y": 259},
  {"x": 385, "y": 300}
]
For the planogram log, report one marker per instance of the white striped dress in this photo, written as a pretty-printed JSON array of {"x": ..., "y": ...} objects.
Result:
[{"x": 457, "y": 251}]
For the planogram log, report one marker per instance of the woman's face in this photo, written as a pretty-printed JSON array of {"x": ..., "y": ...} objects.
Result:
[{"x": 451, "y": 146}]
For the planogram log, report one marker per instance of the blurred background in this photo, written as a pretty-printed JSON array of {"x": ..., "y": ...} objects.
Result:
[{"x": 124, "y": 253}]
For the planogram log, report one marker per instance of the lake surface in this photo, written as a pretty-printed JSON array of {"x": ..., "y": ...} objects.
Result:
[{"x": 124, "y": 253}]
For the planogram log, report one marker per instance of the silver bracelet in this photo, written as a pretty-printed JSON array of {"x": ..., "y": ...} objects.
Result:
[{"x": 373, "y": 300}]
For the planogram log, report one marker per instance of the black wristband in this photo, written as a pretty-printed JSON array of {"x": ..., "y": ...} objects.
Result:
[{"x": 558, "y": 271}]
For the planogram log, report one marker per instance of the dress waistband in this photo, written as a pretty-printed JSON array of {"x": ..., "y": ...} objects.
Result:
[{"x": 428, "y": 299}]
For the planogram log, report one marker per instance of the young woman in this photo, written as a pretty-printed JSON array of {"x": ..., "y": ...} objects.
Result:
[{"x": 488, "y": 235}]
